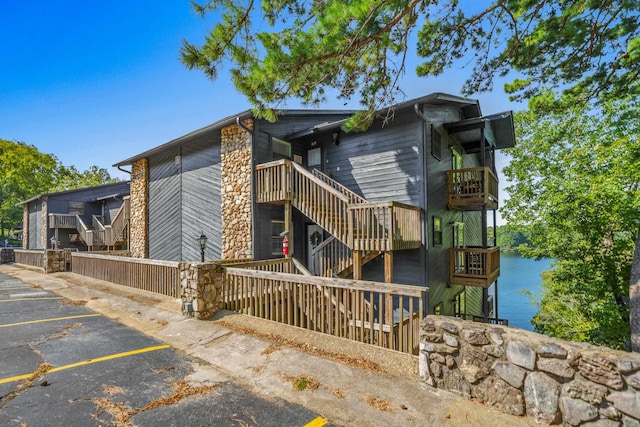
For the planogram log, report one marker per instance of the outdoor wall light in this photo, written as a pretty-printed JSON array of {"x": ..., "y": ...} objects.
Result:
[
  {"x": 188, "y": 308},
  {"x": 336, "y": 137},
  {"x": 203, "y": 244}
]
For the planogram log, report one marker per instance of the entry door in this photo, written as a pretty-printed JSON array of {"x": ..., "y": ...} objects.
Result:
[{"x": 314, "y": 238}]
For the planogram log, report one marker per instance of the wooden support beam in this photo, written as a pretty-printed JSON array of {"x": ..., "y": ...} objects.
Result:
[
  {"x": 388, "y": 278},
  {"x": 357, "y": 265},
  {"x": 388, "y": 267},
  {"x": 288, "y": 226}
]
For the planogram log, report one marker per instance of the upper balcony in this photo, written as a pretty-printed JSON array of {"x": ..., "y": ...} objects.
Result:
[
  {"x": 474, "y": 266},
  {"x": 472, "y": 188}
]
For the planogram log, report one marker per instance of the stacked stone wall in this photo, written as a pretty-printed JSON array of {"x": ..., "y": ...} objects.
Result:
[
  {"x": 237, "y": 229},
  {"x": 25, "y": 227},
  {"x": 523, "y": 373},
  {"x": 7, "y": 255},
  {"x": 138, "y": 220},
  {"x": 55, "y": 261},
  {"x": 43, "y": 228},
  {"x": 201, "y": 288}
]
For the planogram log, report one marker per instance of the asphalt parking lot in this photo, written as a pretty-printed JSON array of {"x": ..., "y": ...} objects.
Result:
[{"x": 65, "y": 365}]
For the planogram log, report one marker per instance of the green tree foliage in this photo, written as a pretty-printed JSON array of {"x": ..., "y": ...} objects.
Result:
[
  {"x": 575, "y": 192},
  {"x": 25, "y": 172},
  {"x": 311, "y": 49},
  {"x": 305, "y": 49},
  {"x": 70, "y": 178},
  {"x": 510, "y": 238}
]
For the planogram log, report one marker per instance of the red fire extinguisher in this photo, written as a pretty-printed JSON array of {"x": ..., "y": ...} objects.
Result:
[{"x": 285, "y": 246}]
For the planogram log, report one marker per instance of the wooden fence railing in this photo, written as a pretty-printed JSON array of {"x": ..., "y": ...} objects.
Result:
[
  {"x": 162, "y": 277},
  {"x": 381, "y": 314},
  {"x": 34, "y": 257}
]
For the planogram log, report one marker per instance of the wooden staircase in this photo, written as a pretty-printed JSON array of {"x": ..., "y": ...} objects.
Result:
[
  {"x": 354, "y": 223},
  {"x": 97, "y": 236}
]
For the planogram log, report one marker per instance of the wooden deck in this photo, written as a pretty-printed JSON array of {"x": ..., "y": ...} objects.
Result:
[
  {"x": 472, "y": 188},
  {"x": 474, "y": 266}
]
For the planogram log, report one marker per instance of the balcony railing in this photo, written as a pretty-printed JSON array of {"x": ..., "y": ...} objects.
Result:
[
  {"x": 474, "y": 266},
  {"x": 62, "y": 221},
  {"x": 382, "y": 226},
  {"x": 473, "y": 188}
]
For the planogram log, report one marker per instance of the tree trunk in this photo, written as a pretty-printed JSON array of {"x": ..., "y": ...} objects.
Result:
[{"x": 634, "y": 299}]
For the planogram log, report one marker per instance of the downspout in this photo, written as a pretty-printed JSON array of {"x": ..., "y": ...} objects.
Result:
[
  {"x": 416, "y": 108},
  {"x": 123, "y": 170},
  {"x": 253, "y": 178}
]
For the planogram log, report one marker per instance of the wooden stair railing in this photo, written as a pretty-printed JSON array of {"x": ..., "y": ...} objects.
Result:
[
  {"x": 352, "y": 197},
  {"x": 86, "y": 234},
  {"x": 332, "y": 258},
  {"x": 119, "y": 224},
  {"x": 356, "y": 223}
]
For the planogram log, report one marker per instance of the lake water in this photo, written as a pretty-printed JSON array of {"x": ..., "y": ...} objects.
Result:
[{"x": 518, "y": 273}]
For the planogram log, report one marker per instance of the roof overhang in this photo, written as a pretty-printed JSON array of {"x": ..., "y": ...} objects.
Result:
[
  {"x": 496, "y": 129},
  {"x": 188, "y": 137},
  {"x": 470, "y": 108},
  {"x": 47, "y": 195}
]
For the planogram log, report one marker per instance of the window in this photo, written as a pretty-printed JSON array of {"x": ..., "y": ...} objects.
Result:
[
  {"x": 458, "y": 234},
  {"x": 460, "y": 305},
  {"x": 437, "y": 231},
  {"x": 436, "y": 143},
  {"x": 458, "y": 242},
  {"x": 76, "y": 208},
  {"x": 277, "y": 227},
  {"x": 281, "y": 149},
  {"x": 314, "y": 158},
  {"x": 438, "y": 309},
  {"x": 456, "y": 159}
]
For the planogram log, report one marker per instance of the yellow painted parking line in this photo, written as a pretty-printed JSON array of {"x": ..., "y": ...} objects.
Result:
[
  {"x": 49, "y": 320},
  {"x": 318, "y": 422},
  {"x": 88, "y": 362},
  {"x": 28, "y": 299}
]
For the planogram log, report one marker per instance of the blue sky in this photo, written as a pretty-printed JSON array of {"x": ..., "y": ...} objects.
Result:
[{"x": 97, "y": 82}]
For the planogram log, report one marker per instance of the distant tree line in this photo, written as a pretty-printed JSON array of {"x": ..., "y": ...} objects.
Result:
[
  {"x": 510, "y": 238},
  {"x": 25, "y": 172}
]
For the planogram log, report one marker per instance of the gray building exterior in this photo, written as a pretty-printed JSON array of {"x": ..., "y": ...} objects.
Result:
[{"x": 404, "y": 156}]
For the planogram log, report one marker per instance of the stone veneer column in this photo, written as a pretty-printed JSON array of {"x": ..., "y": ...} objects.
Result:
[
  {"x": 139, "y": 216},
  {"x": 237, "y": 226},
  {"x": 25, "y": 227},
  {"x": 45, "y": 241}
]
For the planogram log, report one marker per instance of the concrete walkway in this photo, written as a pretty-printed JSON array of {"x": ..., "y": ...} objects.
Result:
[{"x": 348, "y": 383}]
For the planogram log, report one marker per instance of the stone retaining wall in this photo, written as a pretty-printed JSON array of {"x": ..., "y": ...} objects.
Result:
[{"x": 523, "y": 373}]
